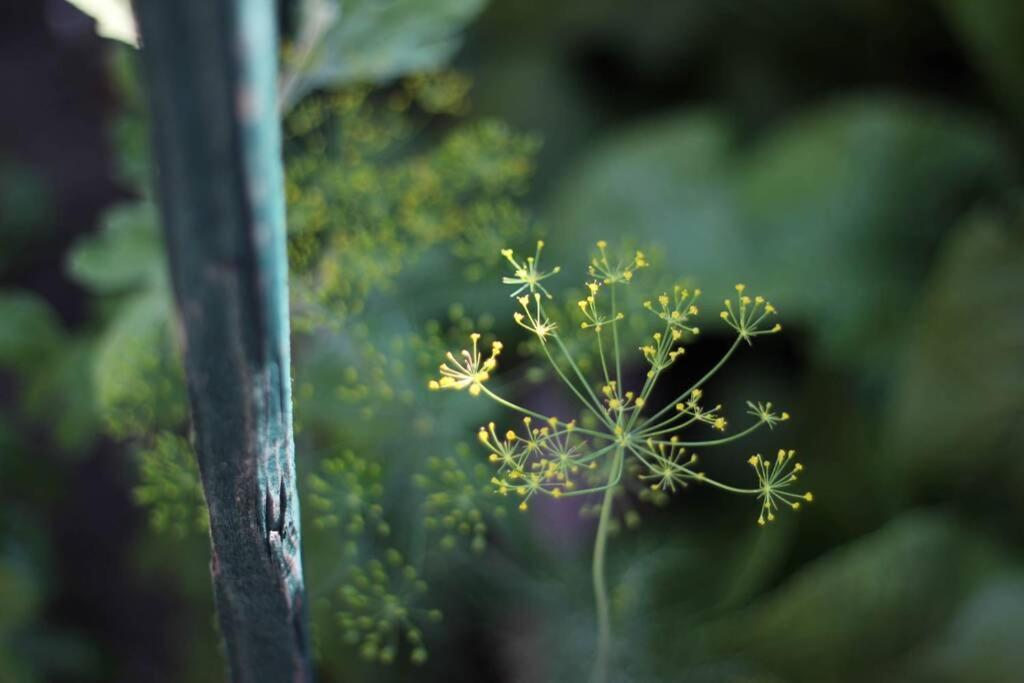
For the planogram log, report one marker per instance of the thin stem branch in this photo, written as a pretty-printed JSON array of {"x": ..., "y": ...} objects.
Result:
[
  {"x": 725, "y": 487},
  {"x": 583, "y": 380},
  {"x": 600, "y": 352},
  {"x": 615, "y": 341},
  {"x": 599, "y": 674},
  {"x": 699, "y": 383},
  {"x": 526, "y": 411},
  {"x": 713, "y": 442},
  {"x": 663, "y": 347},
  {"x": 593, "y": 408}
]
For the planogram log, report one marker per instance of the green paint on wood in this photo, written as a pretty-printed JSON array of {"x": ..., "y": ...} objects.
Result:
[{"x": 211, "y": 67}]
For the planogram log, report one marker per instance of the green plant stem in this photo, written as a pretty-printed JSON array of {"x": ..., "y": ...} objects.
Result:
[
  {"x": 596, "y": 408},
  {"x": 668, "y": 426},
  {"x": 615, "y": 342},
  {"x": 526, "y": 411},
  {"x": 704, "y": 444},
  {"x": 725, "y": 487},
  {"x": 582, "y": 378},
  {"x": 599, "y": 674},
  {"x": 663, "y": 347},
  {"x": 600, "y": 353},
  {"x": 699, "y": 383}
]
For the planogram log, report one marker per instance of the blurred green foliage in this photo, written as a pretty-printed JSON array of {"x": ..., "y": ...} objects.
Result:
[
  {"x": 345, "y": 42},
  {"x": 820, "y": 214},
  {"x": 859, "y": 162},
  {"x": 367, "y": 196}
]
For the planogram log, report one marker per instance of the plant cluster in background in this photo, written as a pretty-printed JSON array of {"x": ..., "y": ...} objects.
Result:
[
  {"x": 384, "y": 185},
  {"x": 369, "y": 194}
]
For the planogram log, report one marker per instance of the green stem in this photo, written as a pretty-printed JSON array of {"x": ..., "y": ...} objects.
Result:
[
  {"x": 669, "y": 426},
  {"x": 703, "y": 444},
  {"x": 599, "y": 673},
  {"x": 615, "y": 341},
  {"x": 596, "y": 408},
  {"x": 699, "y": 383},
  {"x": 600, "y": 352},
  {"x": 725, "y": 487},
  {"x": 526, "y": 411},
  {"x": 663, "y": 347},
  {"x": 583, "y": 381}
]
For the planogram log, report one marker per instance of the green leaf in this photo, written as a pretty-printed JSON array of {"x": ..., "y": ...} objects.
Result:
[
  {"x": 59, "y": 396},
  {"x": 20, "y": 591},
  {"x": 136, "y": 371},
  {"x": 169, "y": 486},
  {"x": 29, "y": 332},
  {"x": 956, "y": 409},
  {"x": 981, "y": 644},
  {"x": 370, "y": 41},
  {"x": 991, "y": 32},
  {"x": 21, "y": 595},
  {"x": 127, "y": 252},
  {"x": 53, "y": 367},
  {"x": 834, "y": 216},
  {"x": 863, "y": 604}
]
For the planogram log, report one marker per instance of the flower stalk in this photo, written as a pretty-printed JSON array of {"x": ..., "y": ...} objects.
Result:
[{"x": 551, "y": 456}]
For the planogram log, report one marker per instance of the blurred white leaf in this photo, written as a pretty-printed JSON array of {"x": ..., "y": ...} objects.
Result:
[{"x": 114, "y": 19}]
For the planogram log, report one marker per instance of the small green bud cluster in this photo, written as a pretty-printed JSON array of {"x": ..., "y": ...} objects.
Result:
[
  {"x": 169, "y": 486},
  {"x": 346, "y": 493},
  {"x": 458, "y": 498},
  {"x": 379, "y": 609},
  {"x": 366, "y": 199}
]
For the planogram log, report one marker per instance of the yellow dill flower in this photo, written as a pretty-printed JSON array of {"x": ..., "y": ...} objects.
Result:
[
  {"x": 563, "y": 452},
  {"x": 774, "y": 478},
  {"x": 677, "y": 310},
  {"x": 471, "y": 371},
  {"x": 527, "y": 272},
  {"x": 698, "y": 413},
  {"x": 593, "y": 318},
  {"x": 621, "y": 272},
  {"x": 620, "y": 404},
  {"x": 668, "y": 468},
  {"x": 748, "y": 315},
  {"x": 536, "y": 322},
  {"x": 507, "y": 452},
  {"x": 663, "y": 353},
  {"x": 764, "y": 413}
]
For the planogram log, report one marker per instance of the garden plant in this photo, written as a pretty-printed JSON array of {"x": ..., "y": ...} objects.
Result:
[
  {"x": 625, "y": 436},
  {"x": 392, "y": 340}
]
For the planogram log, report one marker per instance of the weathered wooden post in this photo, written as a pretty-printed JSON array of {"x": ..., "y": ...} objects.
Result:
[{"x": 211, "y": 70}]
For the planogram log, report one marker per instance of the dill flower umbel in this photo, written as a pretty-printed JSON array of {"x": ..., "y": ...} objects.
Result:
[
  {"x": 748, "y": 314},
  {"x": 458, "y": 498},
  {"x": 346, "y": 493},
  {"x": 626, "y": 438},
  {"x": 380, "y": 608},
  {"x": 527, "y": 273},
  {"x": 471, "y": 371},
  {"x": 774, "y": 478},
  {"x": 534, "y": 321}
]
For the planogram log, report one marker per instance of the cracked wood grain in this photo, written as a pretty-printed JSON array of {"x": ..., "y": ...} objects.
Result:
[{"x": 211, "y": 71}]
